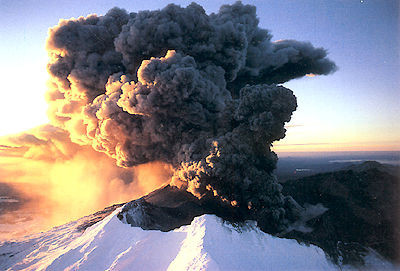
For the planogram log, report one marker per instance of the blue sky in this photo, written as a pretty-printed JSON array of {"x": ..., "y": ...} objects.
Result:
[{"x": 357, "y": 108}]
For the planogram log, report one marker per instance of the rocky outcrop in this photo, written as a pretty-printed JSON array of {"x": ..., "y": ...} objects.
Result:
[
  {"x": 169, "y": 207},
  {"x": 363, "y": 211},
  {"x": 90, "y": 220}
]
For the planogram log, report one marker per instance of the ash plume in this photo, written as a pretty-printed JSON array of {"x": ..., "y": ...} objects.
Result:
[{"x": 179, "y": 86}]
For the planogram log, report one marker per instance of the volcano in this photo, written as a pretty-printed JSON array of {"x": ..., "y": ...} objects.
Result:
[
  {"x": 206, "y": 244},
  {"x": 170, "y": 229}
]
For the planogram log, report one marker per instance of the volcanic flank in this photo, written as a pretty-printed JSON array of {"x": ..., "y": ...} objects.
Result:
[{"x": 198, "y": 92}]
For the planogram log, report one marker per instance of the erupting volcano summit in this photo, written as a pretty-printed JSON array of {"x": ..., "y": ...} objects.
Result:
[{"x": 176, "y": 85}]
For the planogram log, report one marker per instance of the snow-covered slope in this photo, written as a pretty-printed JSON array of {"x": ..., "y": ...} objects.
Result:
[{"x": 206, "y": 244}]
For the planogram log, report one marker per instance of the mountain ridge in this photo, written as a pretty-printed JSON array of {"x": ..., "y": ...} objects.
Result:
[
  {"x": 206, "y": 244},
  {"x": 362, "y": 202},
  {"x": 170, "y": 209}
]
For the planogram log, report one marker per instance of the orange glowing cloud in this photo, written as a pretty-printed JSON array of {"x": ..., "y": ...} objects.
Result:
[{"x": 63, "y": 181}]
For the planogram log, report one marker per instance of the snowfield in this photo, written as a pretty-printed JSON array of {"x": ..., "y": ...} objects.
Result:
[{"x": 206, "y": 244}]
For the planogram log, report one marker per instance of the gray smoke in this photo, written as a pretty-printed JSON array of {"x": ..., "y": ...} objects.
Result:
[{"x": 179, "y": 86}]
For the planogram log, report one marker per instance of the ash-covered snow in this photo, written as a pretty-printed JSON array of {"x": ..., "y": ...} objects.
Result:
[{"x": 206, "y": 244}]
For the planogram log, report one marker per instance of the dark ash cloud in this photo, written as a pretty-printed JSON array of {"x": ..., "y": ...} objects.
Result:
[{"x": 182, "y": 87}]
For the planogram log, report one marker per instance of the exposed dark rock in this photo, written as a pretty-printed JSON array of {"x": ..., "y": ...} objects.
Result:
[
  {"x": 169, "y": 207},
  {"x": 363, "y": 211},
  {"x": 96, "y": 217}
]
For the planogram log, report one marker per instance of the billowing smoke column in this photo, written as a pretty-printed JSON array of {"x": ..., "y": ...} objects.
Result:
[{"x": 179, "y": 86}]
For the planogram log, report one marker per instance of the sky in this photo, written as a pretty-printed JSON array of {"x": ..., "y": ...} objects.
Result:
[{"x": 355, "y": 109}]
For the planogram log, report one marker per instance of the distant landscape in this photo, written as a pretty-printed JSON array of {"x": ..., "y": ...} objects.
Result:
[{"x": 301, "y": 164}]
